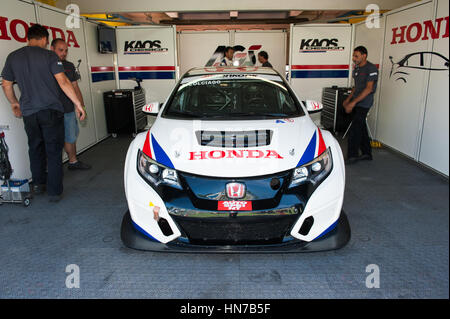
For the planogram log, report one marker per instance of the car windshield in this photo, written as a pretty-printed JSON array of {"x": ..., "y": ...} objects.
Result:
[{"x": 232, "y": 96}]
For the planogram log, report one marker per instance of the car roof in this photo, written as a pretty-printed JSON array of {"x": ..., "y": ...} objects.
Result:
[{"x": 230, "y": 69}]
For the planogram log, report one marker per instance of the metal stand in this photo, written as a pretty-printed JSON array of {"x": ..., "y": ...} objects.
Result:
[{"x": 367, "y": 125}]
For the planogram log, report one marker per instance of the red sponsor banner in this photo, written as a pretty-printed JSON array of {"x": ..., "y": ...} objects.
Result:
[
  {"x": 321, "y": 66},
  {"x": 234, "y": 205},
  {"x": 146, "y": 68},
  {"x": 102, "y": 69}
]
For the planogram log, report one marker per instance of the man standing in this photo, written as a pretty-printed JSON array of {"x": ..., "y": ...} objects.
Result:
[
  {"x": 263, "y": 58},
  {"x": 358, "y": 103},
  {"x": 59, "y": 46},
  {"x": 228, "y": 58},
  {"x": 38, "y": 73}
]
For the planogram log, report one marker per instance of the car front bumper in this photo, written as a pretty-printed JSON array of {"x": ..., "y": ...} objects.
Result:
[{"x": 334, "y": 239}]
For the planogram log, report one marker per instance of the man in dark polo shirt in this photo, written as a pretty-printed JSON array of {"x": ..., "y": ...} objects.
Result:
[
  {"x": 359, "y": 103},
  {"x": 39, "y": 74},
  {"x": 59, "y": 46}
]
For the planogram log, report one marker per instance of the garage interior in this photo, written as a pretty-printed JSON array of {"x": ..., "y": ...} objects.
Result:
[{"x": 397, "y": 204}]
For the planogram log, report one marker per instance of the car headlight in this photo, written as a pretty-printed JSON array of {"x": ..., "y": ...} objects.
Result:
[
  {"x": 314, "y": 171},
  {"x": 156, "y": 173}
]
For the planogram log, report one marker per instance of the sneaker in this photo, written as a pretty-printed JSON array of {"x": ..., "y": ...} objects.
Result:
[
  {"x": 351, "y": 160},
  {"x": 39, "y": 189},
  {"x": 79, "y": 165},
  {"x": 54, "y": 198},
  {"x": 365, "y": 157}
]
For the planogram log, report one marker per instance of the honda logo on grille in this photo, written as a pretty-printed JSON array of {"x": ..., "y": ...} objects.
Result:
[{"x": 235, "y": 190}]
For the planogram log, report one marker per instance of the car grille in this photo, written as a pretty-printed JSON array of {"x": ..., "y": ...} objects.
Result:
[{"x": 236, "y": 230}]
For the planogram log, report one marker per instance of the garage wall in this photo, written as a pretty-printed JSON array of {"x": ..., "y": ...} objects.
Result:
[
  {"x": 205, "y": 48},
  {"x": 148, "y": 53},
  {"x": 15, "y": 18},
  {"x": 271, "y": 41},
  {"x": 320, "y": 57},
  {"x": 154, "y": 61},
  {"x": 413, "y": 107},
  {"x": 434, "y": 144},
  {"x": 198, "y": 48},
  {"x": 101, "y": 77}
]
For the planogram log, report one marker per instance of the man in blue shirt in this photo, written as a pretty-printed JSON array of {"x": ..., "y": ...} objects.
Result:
[
  {"x": 39, "y": 73},
  {"x": 359, "y": 103}
]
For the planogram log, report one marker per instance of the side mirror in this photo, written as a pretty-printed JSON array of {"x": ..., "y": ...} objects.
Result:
[
  {"x": 313, "y": 106},
  {"x": 151, "y": 108}
]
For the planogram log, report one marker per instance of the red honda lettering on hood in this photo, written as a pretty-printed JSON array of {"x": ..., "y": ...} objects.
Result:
[{"x": 219, "y": 154}]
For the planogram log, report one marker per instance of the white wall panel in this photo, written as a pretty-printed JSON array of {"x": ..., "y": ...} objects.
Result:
[
  {"x": 156, "y": 65},
  {"x": 197, "y": 48},
  {"x": 434, "y": 148},
  {"x": 102, "y": 78},
  {"x": 403, "y": 89},
  {"x": 312, "y": 69},
  {"x": 273, "y": 42}
]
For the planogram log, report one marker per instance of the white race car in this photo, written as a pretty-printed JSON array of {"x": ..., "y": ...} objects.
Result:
[{"x": 234, "y": 163}]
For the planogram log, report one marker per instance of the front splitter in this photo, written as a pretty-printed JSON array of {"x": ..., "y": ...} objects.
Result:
[{"x": 335, "y": 239}]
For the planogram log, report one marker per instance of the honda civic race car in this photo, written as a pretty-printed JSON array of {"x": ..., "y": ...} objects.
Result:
[{"x": 234, "y": 163}]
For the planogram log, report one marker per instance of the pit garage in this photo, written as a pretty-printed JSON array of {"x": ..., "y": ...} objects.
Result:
[{"x": 138, "y": 61}]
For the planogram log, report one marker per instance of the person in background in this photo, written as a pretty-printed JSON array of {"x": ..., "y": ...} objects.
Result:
[
  {"x": 358, "y": 103},
  {"x": 71, "y": 129},
  {"x": 228, "y": 58},
  {"x": 263, "y": 58},
  {"x": 39, "y": 74}
]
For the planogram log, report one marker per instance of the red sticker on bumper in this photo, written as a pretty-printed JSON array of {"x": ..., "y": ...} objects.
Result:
[{"x": 235, "y": 205}]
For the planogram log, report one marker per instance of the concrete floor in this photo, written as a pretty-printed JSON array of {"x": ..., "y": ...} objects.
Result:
[{"x": 398, "y": 213}]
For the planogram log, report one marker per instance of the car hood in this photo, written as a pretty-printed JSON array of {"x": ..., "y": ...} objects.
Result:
[{"x": 232, "y": 148}]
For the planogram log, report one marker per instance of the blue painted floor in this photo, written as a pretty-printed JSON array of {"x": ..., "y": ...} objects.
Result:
[{"x": 398, "y": 213}]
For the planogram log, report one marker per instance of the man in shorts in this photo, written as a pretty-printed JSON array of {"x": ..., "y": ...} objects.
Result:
[{"x": 71, "y": 129}]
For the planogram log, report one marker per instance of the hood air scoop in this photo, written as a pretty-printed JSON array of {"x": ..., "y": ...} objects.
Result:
[{"x": 234, "y": 139}]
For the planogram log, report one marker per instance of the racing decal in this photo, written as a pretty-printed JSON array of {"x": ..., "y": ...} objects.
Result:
[
  {"x": 320, "y": 45},
  {"x": 141, "y": 230},
  {"x": 19, "y": 30},
  {"x": 320, "y": 71},
  {"x": 315, "y": 148},
  {"x": 143, "y": 47},
  {"x": 146, "y": 149},
  {"x": 239, "y": 55},
  {"x": 310, "y": 151},
  {"x": 400, "y": 70},
  {"x": 217, "y": 77},
  {"x": 234, "y": 205},
  {"x": 414, "y": 31},
  {"x": 102, "y": 73},
  {"x": 147, "y": 72},
  {"x": 219, "y": 154},
  {"x": 321, "y": 147},
  {"x": 161, "y": 156},
  {"x": 326, "y": 231}
]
